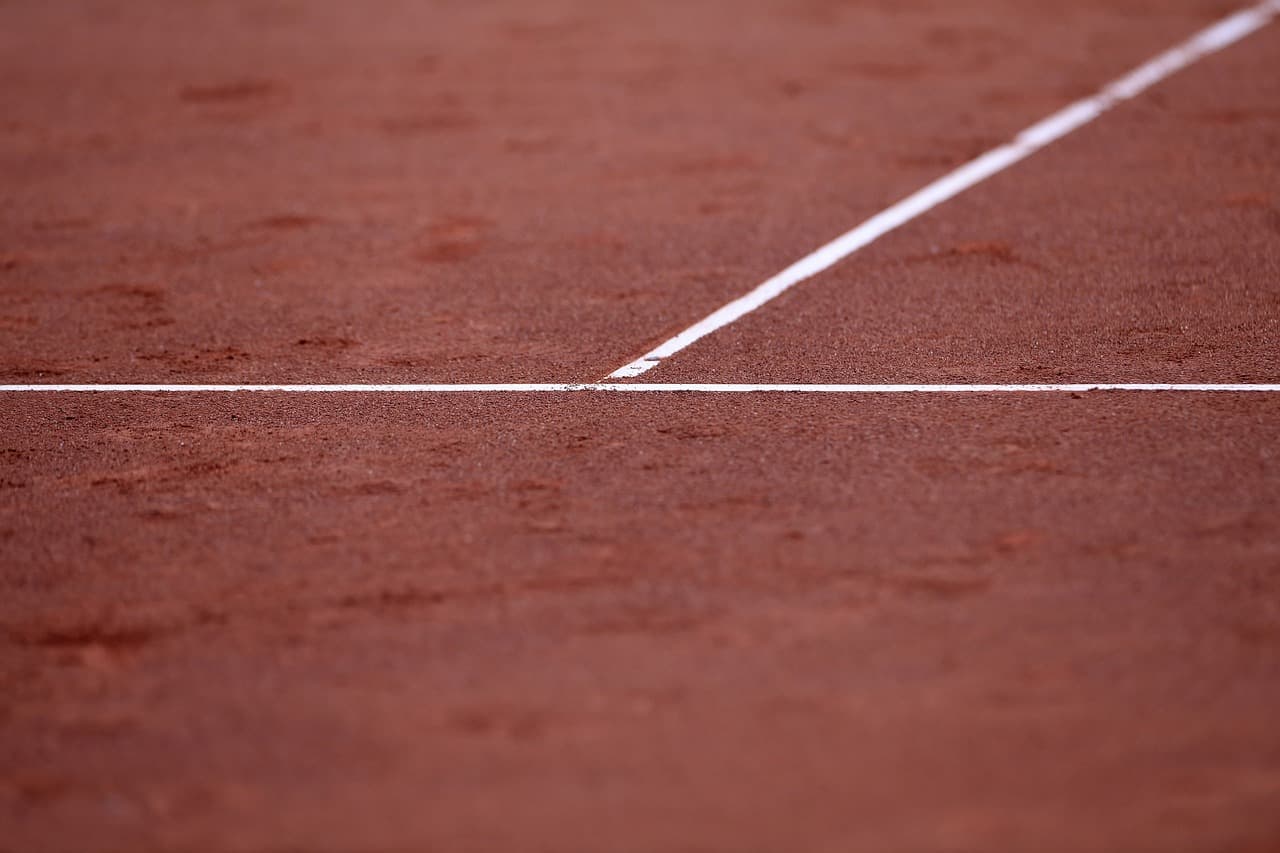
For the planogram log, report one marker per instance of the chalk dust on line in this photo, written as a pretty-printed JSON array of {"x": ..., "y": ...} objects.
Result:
[{"x": 640, "y": 387}]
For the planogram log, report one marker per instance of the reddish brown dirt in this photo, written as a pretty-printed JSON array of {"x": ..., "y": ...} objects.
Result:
[
  {"x": 678, "y": 622},
  {"x": 505, "y": 191},
  {"x": 633, "y": 623},
  {"x": 1143, "y": 248}
]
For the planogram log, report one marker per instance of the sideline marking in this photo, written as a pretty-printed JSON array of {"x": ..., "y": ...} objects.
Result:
[
  {"x": 1208, "y": 41},
  {"x": 631, "y": 387}
]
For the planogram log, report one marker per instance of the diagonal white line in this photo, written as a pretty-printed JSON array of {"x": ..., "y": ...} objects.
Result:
[
  {"x": 1031, "y": 140},
  {"x": 640, "y": 387}
]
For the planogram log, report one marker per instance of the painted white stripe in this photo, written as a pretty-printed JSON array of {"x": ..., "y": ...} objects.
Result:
[
  {"x": 1031, "y": 140},
  {"x": 640, "y": 387}
]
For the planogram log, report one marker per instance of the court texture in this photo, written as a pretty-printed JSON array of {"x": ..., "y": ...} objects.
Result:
[{"x": 589, "y": 425}]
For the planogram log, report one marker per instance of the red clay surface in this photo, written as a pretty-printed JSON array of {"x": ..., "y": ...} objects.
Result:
[
  {"x": 586, "y": 622},
  {"x": 457, "y": 191},
  {"x": 673, "y": 623},
  {"x": 1143, "y": 248}
]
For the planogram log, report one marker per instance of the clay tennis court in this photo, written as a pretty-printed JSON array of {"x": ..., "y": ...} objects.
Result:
[{"x": 428, "y": 426}]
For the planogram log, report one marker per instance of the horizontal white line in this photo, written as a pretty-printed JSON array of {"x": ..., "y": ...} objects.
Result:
[
  {"x": 1031, "y": 140},
  {"x": 639, "y": 387}
]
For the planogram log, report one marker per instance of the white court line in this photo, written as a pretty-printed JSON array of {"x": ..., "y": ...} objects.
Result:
[
  {"x": 640, "y": 387},
  {"x": 1031, "y": 140}
]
